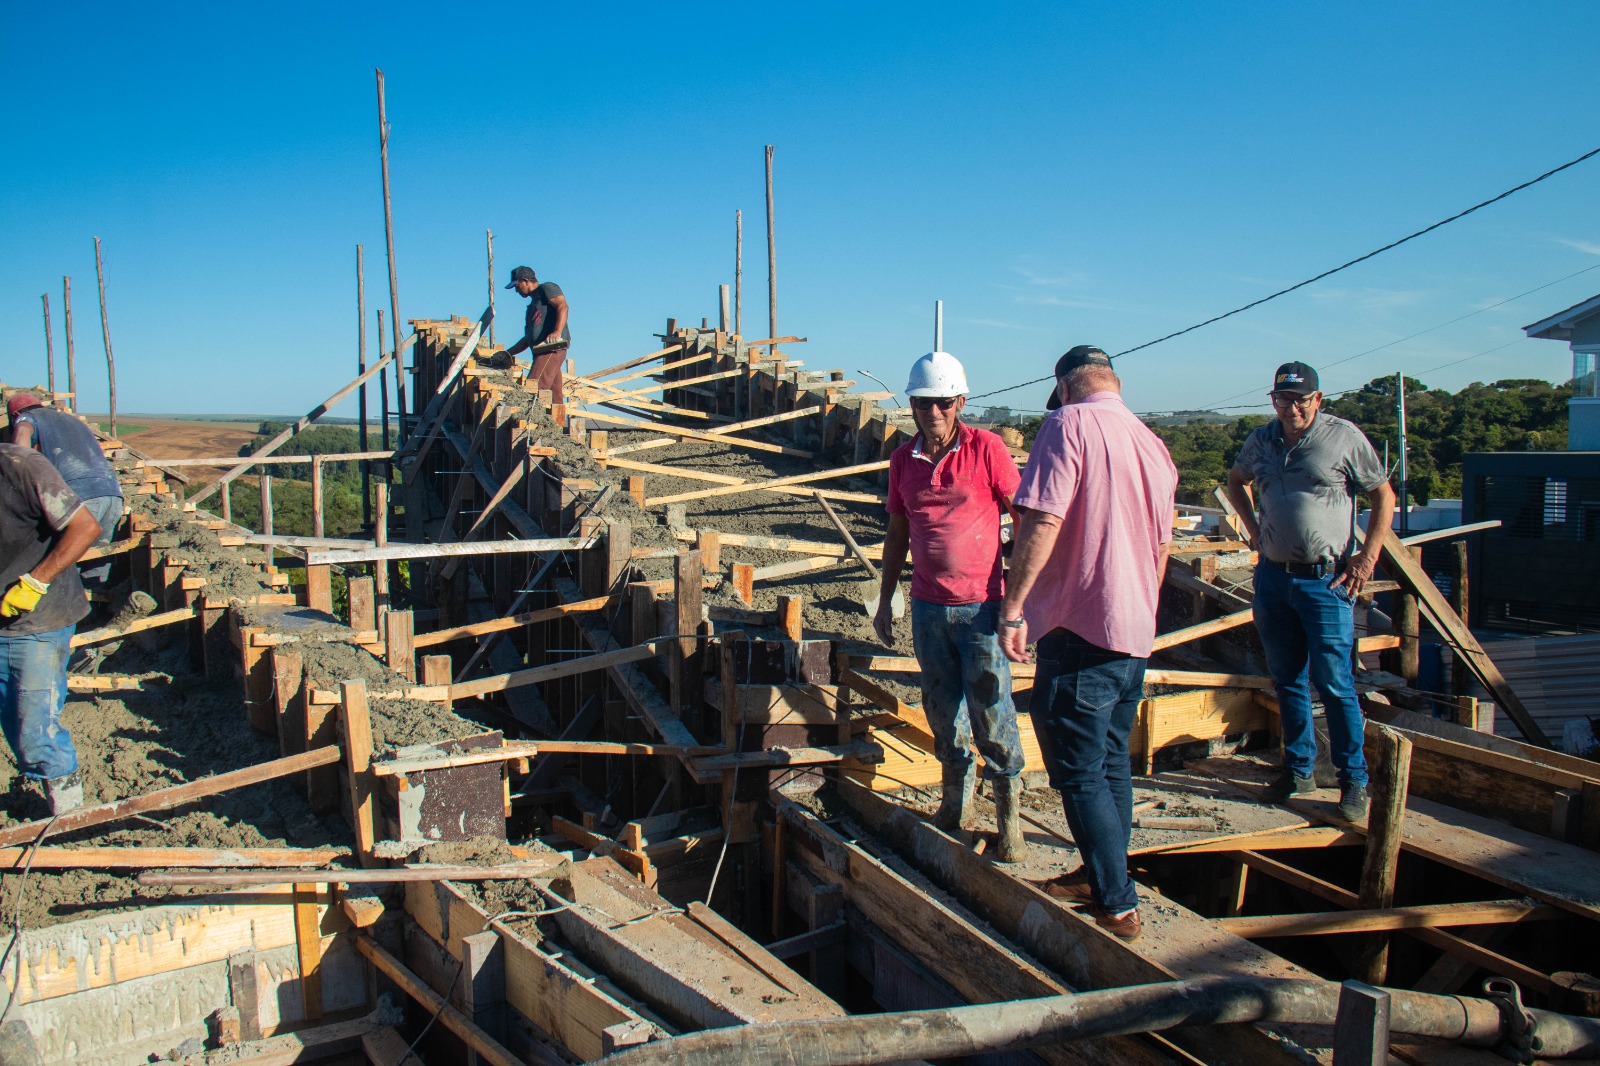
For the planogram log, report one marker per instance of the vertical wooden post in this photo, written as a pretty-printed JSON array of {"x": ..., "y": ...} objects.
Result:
[
  {"x": 1408, "y": 624},
  {"x": 598, "y": 441},
  {"x": 743, "y": 579},
  {"x": 380, "y": 531},
  {"x": 488, "y": 240},
  {"x": 319, "y": 588},
  {"x": 709, "y": 541},
  {"x": 618, "y": 549},
  {"x": 1460, "y": 675},
  {"x": 317, "y": 520},
  {"x": 363, "y": 605},
  {"x": 308, "y": 942},
  {"x": 361, "y": 397},
  {"x": 49, "y": 349},
  {"x": 72, "y": 366},
  {"x": 684, "y": 669},
  {"x": 642, "y": 617},
  {"x": 399, "y": 651},
  {"x": 772, "y": 262},
  {"x": 388, "y": 236},
  {"x": 105, "y": 332},
  {"x": 1391, "y": 776},
  {"x": 227, "y": 503},
  {"x": 265, "y": 482},
  {"x": 738, "y": 271},
  {"x": 383, "y": 386},
  {"x": 356, "y": 726},
  {"x": 724, "y": 314},
  {"x": 790, "y": 610},
  {"x": 436, "y": 671},
  {"x": 322, "y": 783},
  {"x": 1361, "y": 1028},
  {"x": 636, "y": 488}
]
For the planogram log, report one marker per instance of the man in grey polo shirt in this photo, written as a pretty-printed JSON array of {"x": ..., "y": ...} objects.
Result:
[{"x": 1307, "y": 467}]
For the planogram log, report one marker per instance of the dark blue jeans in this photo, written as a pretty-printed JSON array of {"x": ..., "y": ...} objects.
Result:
[
  {"x": 1085, "y": 700},
  {"x": 1308, "y": 630},
  {"x": 33, "y": 687},
  {"x": 966, "y": 685}
]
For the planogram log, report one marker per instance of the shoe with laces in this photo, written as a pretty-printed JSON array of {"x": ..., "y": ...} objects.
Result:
[
  {"x": 1353, "y": 803},
  {"x": 1286, "y": 784},
  {"x": 1073, "y": 887},
  {"x": 1125, "y": 926}
]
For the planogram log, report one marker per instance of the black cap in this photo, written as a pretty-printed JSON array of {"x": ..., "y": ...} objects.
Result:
[
  {"x": 522, "y": 274},
  {"x": 1082, "y": 355},
  {"x": 1296, "y": 378}
]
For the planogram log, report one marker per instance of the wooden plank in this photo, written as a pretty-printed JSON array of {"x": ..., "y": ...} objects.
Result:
[
  {"x": 496, "y": 625},
  {"x": 343, "y": 557},
  {"x": 309, "y": 901},
  {"x": 861, "y": 750},
  {"x": 967, "y": 958},
  {"x": 1492, "y": 912},
  {"x": 192, "y": 931},
  {"x": 793, "y": 479},
  {"x": 488, "y": 1049},
  {"x": 302, "y": 1045},
  {"x": 163, "y": 799},
  {"x": 537, "y": 674},
  {"x": 1203, "y": 679},
  {"x": 131, "y": 858},
  {"x": 690, "y": 474},
  {"x": 1391, "y": 775},
  {"x": 1405, "y": 568},
  {"x": 695, "y": 435},
  {"x": 356, "y": 728},
  {"x": 100, "y": 636},
  {"x": 1204, "y": 629},
  {"x": 1527, "y": 976}
]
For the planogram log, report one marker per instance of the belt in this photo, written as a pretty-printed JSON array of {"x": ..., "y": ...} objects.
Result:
[{"x": 1301, "y": 569}]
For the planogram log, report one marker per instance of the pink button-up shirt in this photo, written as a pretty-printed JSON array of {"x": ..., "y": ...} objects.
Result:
[{"x": 1111, "y": 482}]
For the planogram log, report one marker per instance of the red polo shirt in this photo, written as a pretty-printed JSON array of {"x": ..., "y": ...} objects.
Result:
[{"x": 954, "y": 509}]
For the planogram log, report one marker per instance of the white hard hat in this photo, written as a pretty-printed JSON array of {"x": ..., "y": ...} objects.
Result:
[{"x": 937, "y": 374}]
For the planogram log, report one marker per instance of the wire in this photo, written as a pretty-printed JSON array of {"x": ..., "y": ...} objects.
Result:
[{"x": 1325, "y": 274}]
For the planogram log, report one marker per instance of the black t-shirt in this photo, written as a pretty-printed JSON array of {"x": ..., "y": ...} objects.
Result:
[
  {"x": 35, "y": 506},
  {"x": 541, "y": 317}
]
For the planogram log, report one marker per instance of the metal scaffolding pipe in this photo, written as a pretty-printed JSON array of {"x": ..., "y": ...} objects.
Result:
[{"x": 971, "y": 1030}]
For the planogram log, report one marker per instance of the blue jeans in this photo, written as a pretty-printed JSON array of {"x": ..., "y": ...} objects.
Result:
[
  {"x": 966, "y": 685},
  {"x": 107, "y": 510},
  {"x": 33, "y": 687},
  {"x": 1085, "y": 700},
  {"x": 1308, "y": 631}
]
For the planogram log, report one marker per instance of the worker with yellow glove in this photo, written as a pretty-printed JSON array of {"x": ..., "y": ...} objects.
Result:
[{"x": 44, "y": 530}]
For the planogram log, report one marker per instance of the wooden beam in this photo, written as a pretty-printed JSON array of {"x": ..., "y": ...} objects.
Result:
[
  {"x": 435, "y": 551},
  {"x": 487, "y": 1047},
  {"x": 794, "y": 479},
  {"x": 1326, "y": 923},
  {"x": 1204, "y": 629},
  {"x": 699, "y": 435},
  {"x": 690, "y": 474},
  {"x": 1391, "y": 772},
  {"x": 260, "y": 454},
  {"x": 1405, "y": 568},
  {"x": 496, "y": 625},
  {"x": 133, "y": 858},
  {"x": 356, "y": 727},
  {"x": 162, "y": 799},
  {"x": 537, "y": 674},
  {"x": 640, "y": 361},
  {"x": 770, "y": 757},
  {"x": 522, "y": 870}
]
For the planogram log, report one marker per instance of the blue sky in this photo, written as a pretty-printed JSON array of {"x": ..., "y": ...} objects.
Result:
[{"x": 1056, "y": 173}]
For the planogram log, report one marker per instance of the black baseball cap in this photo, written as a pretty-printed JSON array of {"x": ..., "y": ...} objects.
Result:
[
  {"x": 1296, "y": 378},
  {"x": 522, "y": 274},
  {"x": 1082, "y": 355}
]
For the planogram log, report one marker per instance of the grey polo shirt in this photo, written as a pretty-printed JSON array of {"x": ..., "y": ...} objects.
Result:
[{"x": 1305, "y": 495}]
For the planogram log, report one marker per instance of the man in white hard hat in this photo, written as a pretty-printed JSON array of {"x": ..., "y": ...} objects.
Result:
[{"x": 947, "y": 487}]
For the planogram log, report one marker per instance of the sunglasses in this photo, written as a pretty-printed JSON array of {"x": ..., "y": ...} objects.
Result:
[
  {"x": 928, "y": 403},
  {"x": 1289, "y": 399}
]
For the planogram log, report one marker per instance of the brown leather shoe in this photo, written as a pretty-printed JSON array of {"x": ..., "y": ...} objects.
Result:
[
  {"x": 1127, "y": 927},
  {"x": 1073, "y": 887}
]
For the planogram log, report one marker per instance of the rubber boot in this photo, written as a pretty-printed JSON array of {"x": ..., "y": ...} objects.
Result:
[
  {"x": 65, "y": 792},
  {"x": 955, "y": 797},
  {"x": 1011, "y": 846}
]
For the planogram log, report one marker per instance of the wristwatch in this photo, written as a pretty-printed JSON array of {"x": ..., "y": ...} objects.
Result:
[{"x": 1013, "y": 623}]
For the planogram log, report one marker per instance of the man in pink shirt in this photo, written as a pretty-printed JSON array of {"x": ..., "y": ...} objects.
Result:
[
  {"x": 1094, "y": 530},
  {"x": 947, "y": 487}
]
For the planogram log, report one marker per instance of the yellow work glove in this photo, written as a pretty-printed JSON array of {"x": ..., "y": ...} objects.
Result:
[{"x": 23, "y": 596}]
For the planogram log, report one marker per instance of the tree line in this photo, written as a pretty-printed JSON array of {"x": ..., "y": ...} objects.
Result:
[
  {"x": 1514, "y": 414},
  {"x": 291, "y": 482}
]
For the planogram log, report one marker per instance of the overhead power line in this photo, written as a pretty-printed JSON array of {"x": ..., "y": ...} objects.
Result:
[{"x": 1326, "y": 273}]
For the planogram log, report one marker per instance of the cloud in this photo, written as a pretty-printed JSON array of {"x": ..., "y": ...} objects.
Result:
[
  {"x": 1586, "y": 247},
  {"x": 991, "y": 323},
  {"x": 1370, "y": 299},
  {"x": 1072, "y": 280}
]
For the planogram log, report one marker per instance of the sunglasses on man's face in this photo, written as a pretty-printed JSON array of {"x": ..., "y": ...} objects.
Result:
[{"x": 928, "y": 403}]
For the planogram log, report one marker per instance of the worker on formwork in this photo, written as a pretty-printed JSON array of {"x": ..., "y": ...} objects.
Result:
[
  {"x": 1307, "y": 467},
  {"x": 73, "y": 450},
  {"x": 1093, "y": 535},
  {"x": 544, "y": 324},
  {"x": 44, "y": 529},
  {"x": 947, "y": 487}
]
